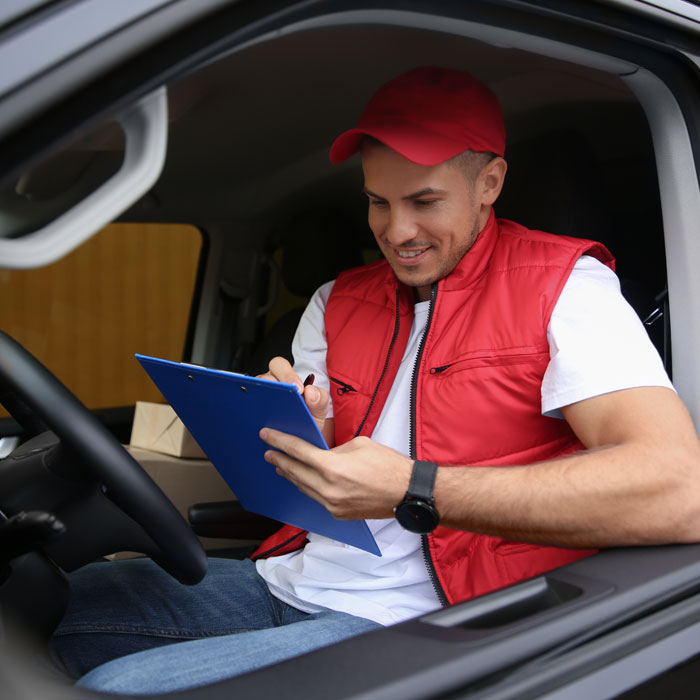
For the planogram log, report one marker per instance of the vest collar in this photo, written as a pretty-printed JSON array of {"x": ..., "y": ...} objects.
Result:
[{"x": 475, "y": 262}]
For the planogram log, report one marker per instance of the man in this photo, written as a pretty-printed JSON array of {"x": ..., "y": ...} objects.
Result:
[{"x": 476, "y": 343}]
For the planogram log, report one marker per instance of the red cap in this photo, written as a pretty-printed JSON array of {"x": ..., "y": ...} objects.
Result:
[{"x": 428, "y": 116}]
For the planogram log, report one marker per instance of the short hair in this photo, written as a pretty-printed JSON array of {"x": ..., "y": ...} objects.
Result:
[{"x": 471, "y": 163}]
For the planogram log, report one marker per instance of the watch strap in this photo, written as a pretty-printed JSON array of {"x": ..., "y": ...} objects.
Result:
[{"x": 422, "y": 481}]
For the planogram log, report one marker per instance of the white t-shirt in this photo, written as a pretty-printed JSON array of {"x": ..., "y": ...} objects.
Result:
[{"x": 597, "y": 345}]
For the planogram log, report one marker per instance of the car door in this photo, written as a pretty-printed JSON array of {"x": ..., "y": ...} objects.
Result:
[{"x": 597, "y": 628}]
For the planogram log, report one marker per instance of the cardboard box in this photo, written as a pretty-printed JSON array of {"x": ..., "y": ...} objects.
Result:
[{"x": 157, "y": 428}]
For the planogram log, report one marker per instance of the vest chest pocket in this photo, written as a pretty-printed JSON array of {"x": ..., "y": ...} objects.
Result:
[
  {"x": 482, "y": 409},
  {"x": 339, "y": 387},
  {"x": 444, "y": 370}
]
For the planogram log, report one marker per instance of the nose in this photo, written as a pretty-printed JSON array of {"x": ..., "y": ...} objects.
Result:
[{"x": 400, "y": 227}]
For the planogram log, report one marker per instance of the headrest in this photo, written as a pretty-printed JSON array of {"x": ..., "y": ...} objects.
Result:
[{"x": 317, "y": 246}]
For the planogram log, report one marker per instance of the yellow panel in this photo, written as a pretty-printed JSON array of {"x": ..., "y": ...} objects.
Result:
[{"x": 128, "y": 289}]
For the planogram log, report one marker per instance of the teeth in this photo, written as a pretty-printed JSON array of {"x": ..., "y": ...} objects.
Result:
[{"x": 409, "y": 253}]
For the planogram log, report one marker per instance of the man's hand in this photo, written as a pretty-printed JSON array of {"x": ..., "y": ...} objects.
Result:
[
  {"x": 280, "y": 370},
  {"x": 359, "y": 479}
]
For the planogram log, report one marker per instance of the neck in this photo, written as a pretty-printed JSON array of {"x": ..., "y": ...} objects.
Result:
[{"x": 421, "y": 293}]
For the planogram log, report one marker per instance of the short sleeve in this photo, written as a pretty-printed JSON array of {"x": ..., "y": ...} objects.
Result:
[
  {"x": 597, "y": 342},
  {"x": 309, "y": 345}
]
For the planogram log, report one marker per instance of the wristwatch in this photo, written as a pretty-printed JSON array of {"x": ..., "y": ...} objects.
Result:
[{"x": 417, "y": 512}]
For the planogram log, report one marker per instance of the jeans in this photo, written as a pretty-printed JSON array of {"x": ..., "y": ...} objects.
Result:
[{"x": 130, "y": 628}]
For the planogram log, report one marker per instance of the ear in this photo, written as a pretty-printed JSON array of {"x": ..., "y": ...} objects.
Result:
[{"x": 490, "y": 180}]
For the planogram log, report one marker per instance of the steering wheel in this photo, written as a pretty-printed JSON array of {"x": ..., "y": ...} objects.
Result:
[{"x": 103, "y": 460}]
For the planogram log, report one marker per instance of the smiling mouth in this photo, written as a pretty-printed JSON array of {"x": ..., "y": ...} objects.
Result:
[{"x": 408, "y": 254}]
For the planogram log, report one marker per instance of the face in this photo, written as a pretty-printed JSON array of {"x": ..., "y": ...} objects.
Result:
[{"x": 424, "y": 218}]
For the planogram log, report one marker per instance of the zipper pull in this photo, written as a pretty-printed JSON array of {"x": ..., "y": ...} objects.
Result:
[
  {"x": 437, "y": 370},
  {"x": 343, "y": 388}
]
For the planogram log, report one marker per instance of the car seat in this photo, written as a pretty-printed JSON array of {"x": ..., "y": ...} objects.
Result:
[{"x": 557, "y": 183}]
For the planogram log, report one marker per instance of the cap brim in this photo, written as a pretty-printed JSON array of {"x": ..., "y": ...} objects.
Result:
[
  {"x": 423, "y": 149},
  {"x": 346, "y": 145}
]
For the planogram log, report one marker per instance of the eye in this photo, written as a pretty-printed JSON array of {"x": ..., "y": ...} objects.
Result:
[
  {"x": 425, "y": 203},
  {"x": 378, "y": 203}
]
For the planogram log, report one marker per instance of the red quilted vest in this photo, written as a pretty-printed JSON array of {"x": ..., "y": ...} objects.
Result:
[{"x": 476, "y": 387}]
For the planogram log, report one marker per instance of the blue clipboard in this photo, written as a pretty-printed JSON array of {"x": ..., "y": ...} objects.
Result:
[{"x": 224, "y": 412}]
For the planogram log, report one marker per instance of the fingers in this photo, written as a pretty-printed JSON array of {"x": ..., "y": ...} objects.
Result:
[
  {"x": 317, "y": 401},
  {"x": 361, "y": 479},
  {"x": 304, "y": 477},
  {"x": 289, "y": 444},
  {"x": 297, "y": 461},
  {"x": 280, "y": 370},
  {"x": 316, "y": 398}
]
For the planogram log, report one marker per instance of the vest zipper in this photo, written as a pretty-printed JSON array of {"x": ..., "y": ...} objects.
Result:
[
  {"x": 412, "y": 440},
  {"x": 414, "y": 375},
  {"x": 386, "y": 364},
  {"x": 343, "y": 388}
]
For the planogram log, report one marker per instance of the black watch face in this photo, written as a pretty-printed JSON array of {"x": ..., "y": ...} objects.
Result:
[{"x": 417, "y": 516}]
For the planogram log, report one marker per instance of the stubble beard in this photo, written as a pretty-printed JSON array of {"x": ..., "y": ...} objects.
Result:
[{"x": 404, "y": 274}]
